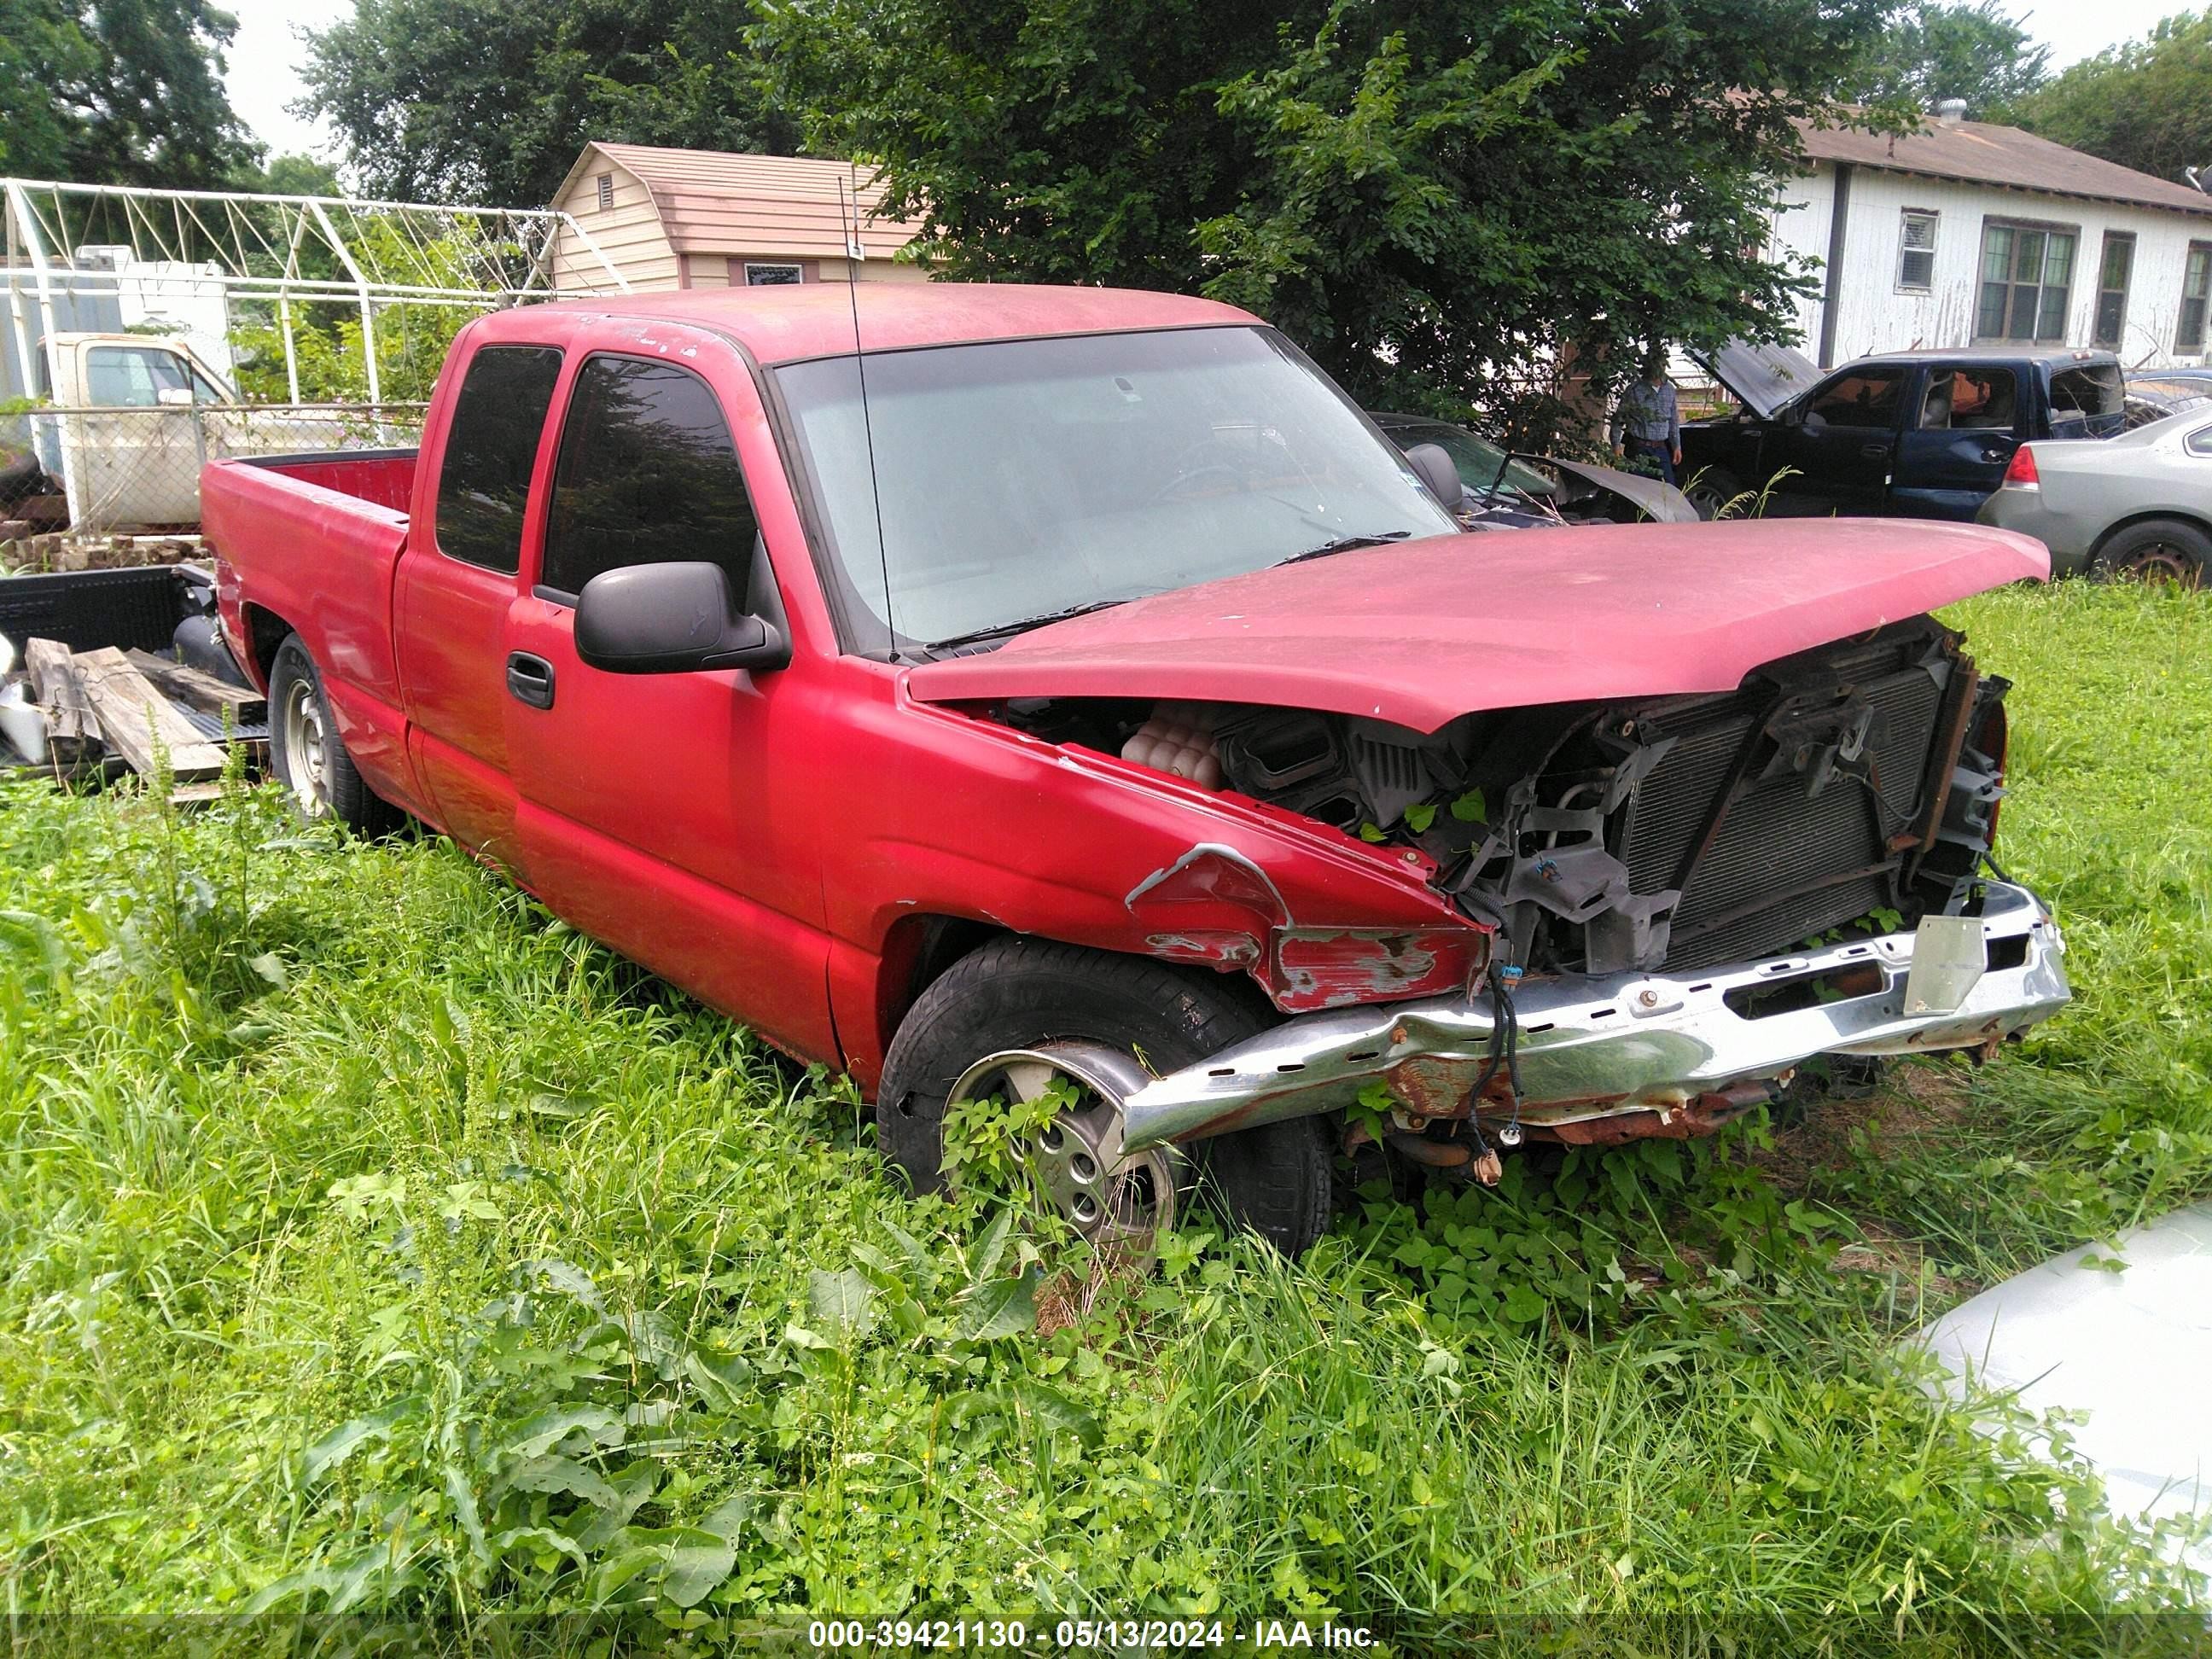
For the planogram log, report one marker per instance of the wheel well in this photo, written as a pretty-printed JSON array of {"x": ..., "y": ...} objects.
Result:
[
  {"x": 2111, "y": 531},
  {"x": 920, "y": 949},
  {"x": 916, "y": 952},
  {"x": 265, "y": 631}
]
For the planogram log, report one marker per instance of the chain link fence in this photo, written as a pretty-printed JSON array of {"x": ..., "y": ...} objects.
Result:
[{"x": 134, "y": 471}]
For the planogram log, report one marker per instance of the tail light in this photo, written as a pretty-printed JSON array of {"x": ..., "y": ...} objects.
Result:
[{"x": 2021, "y": 474}]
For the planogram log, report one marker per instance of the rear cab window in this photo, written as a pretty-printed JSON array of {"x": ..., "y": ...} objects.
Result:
[
  {"x": 491, "y": 445},
  {"x": 2086, "y": 392},
  {"x": 646, "y": 472}
]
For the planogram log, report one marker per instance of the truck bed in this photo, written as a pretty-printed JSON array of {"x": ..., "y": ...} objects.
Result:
[{"x": 317, "y": 539}]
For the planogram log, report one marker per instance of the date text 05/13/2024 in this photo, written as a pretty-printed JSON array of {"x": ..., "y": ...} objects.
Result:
[{"x": 1109, "y": 1635}]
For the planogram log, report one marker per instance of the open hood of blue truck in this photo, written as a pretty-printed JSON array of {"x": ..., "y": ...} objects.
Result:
[{"x": 1764, "y": 377}]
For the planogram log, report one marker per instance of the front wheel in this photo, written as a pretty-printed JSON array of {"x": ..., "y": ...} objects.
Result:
[
  {"x": 2157, "y": 550},
  {"x": 1018, "y": 1017},
  {"x": 1710, "y": 489}
]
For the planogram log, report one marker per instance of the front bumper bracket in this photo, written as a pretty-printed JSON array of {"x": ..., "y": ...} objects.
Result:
[{"x": 1678, "y": 1049}]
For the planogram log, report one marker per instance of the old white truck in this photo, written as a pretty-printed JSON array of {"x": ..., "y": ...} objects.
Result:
[{"x": 127, "y": 420}]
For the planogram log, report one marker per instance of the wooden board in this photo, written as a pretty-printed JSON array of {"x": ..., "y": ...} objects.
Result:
[
  {"x": 72, "y": 727},
  {"x": 196, "y": 690},
  {"x": 133, "y": 716}
]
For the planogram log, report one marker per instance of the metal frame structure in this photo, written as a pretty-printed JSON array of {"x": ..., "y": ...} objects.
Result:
[{"x": 268, "y": 246}]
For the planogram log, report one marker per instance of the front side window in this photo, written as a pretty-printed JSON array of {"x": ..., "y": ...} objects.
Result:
[
  {"x": 491, "y": 445},
  {"x": 1969, "y": 398},
  {"x": 2113, "y": 271},
  {"x": 2028, "y": 272},
  {"x": 2196, "y": 288},
  {"x": 2200, "y": 441},
  {"x": 131, "y": 377},
  {"x": 647, "y": 473},
  {"x": 1861, "y": 396},
  {"x": 1916, "y": 252},
  {"x": 1019, "y": 478}
]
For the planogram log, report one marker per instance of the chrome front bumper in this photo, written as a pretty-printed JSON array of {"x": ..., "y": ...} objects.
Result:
[{"x": 1682, "y": 1051}]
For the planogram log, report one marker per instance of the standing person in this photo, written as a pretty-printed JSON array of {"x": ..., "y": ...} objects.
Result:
[{"x": 1648, "y": 426}]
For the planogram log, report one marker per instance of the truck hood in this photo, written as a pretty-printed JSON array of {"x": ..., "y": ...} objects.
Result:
[
  {"x": 1764, "y": 377},
  {"x": 1420, "y": 633}
]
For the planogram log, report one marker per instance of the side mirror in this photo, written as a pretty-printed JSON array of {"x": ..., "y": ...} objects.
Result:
[
  {"x": 671, "y": 619},
  {"x": 1432, "y": 464},
  {"x": 174, "y": 397}
]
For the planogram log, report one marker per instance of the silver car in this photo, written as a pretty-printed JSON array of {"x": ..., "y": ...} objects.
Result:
[{"x": 2140, "y": 504}]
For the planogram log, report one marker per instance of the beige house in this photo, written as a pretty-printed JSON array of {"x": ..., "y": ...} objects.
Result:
[{"x": 693, "y": 218}]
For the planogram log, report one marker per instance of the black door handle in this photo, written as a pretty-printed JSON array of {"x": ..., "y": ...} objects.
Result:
[
  {"x": 1872, "y": 452},
  {"x": 530, "y": 679}
]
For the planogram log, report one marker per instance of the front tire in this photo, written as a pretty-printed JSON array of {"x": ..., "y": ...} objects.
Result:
[
  {"x": 1710, "y": 491},
  {"x": 2157, "y": 550},
  {"x": 308, "y": 756},
  {"x": 1016, "y": 994}
]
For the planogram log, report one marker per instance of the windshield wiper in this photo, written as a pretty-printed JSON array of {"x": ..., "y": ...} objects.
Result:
[
  {"x": 1345, "y": 544},
  {"x": 1026, "y": 623}
]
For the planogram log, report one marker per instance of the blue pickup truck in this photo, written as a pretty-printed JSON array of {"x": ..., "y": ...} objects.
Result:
[{"x": 1912, "y": 434}]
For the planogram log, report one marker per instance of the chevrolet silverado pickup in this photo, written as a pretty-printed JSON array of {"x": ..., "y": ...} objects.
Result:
[
  {"x": 1908, "y": 434},
  {"x": 996, "y": 691}
]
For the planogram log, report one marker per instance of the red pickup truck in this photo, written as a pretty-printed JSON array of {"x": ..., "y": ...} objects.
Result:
[{"x": 1074, "y": 690}]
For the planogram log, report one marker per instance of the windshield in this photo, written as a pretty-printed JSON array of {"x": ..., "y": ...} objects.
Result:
[
  {"x": 1020, "y": 478},
  {"x": 1481, "y": 464}
]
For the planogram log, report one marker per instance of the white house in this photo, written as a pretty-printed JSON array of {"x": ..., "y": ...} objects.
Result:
[
  {"x": 1968, "y": 233},
  {"x": 700, "y": 218}
]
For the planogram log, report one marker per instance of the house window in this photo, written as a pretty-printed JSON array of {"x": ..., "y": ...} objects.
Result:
[
  {"x": 772, "y": 276},
  {"x": 2195, "y": 286},
  {"x": 2028, "y": 272},
  {"x": 1916, "y": 252},
  {"x": 2113, "y": 271},
  {"x": 606, "y": 191}
]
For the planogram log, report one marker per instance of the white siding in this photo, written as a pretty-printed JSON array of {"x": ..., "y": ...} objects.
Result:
[
  {"x": 628, "y": 234},
  {"x": 1874, "y": 315}
]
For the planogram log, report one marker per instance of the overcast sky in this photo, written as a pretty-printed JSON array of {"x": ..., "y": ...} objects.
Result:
[{"x": 265, "y": 57}]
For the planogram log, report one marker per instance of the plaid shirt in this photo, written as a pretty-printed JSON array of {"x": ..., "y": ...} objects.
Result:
[{"x": 1648, "y": 412}]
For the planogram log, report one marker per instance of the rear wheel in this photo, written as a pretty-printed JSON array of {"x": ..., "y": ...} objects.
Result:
[
  {"x": 1019, "y": 1016},
  {"x": 2157, "y": 550},
  {"x": 308, "y": 756}
]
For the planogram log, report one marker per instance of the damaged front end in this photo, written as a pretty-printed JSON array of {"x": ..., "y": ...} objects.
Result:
[{"x": 1674, "y": 902}]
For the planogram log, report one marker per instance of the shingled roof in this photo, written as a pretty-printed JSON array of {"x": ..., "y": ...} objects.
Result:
[
  {"x": 720, "y": 202},
  {"x": 1982, "y": 153}
]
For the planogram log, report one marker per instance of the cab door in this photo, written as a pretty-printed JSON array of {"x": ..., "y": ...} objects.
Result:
[
  {"x": 134, "y": 459},
  {"x": 458, "y": 579},
  {"x": 1954, "y": 451},
  {"x": 1842, "y": 443},
  {"x": 675, "y": 817}
]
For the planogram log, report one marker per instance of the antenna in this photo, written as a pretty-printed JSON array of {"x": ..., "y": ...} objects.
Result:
[{"x": 851, "y": 226}]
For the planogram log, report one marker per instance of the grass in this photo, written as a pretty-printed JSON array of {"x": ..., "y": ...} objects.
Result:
[{"x": 372, "y": 1244}]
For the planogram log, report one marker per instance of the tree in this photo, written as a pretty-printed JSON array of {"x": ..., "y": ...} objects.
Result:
[
  {"x": 486, "y": 101},
  {"x": 1940, "y": 49},
  {"x": 118, "y": 92},
  {"x": 1431, "y": 196},
  {"x": 40, "y": 48},
  {"x": 2147, "y": 105}
]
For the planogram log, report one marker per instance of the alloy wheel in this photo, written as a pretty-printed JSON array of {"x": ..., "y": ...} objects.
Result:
[
  {"x": 305, "y": 754},
  {"x": 1075, "y": 1163}
]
